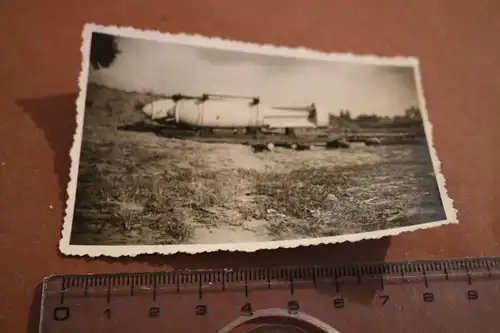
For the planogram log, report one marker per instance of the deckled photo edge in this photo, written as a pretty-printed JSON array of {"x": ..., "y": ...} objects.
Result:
[
  {"x": 253, "y": 48},
  {"x": 136, "y": 250},
  {"x": 268, "y": 49},
  {"x": 450, "y": 210},
  {"x": 64, "y": 245}
]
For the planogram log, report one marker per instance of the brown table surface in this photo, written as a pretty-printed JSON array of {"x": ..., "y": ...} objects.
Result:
[{"x": 456, "y": 40}]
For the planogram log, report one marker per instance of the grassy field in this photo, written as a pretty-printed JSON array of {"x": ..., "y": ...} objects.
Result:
[{"x": 139, "y": 188}]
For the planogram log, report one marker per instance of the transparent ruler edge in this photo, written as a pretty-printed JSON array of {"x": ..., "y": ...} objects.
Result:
[
  {"x": 354, "y": 270},
  {"x": 406, "y": 269}
]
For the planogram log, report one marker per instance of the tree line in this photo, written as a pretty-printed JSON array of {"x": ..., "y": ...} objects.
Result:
[{"x": 411, "y": 117}]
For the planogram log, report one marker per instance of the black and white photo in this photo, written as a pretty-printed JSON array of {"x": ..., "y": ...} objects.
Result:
[{"x": 193, "y": 144}]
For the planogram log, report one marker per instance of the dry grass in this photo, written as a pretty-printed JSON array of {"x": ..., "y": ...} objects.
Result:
[
  {"x": 330, "y": 202},
  {"x": 138, "y": 188}
]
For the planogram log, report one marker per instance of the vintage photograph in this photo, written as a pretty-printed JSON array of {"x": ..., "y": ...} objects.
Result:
[{"x": 192, "y": 144}]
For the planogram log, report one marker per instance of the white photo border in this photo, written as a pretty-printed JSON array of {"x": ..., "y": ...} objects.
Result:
[{"x": 267, "y": 49}]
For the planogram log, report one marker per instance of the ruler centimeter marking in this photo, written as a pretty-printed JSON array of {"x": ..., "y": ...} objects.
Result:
[
  {"x": 203, "y": 284},
  {"x": 383, "y": 271},
  {"x": 290, "y": 275}
]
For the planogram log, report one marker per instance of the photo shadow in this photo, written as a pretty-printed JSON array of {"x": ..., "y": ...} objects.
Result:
[{"x": 56, "y": 116}]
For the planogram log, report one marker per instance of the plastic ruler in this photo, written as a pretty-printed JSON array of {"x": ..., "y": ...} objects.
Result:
[{"x": 458, "y": 295}]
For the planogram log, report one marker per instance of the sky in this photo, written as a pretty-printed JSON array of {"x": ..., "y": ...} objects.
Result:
[{"x": 167, "y": 68}]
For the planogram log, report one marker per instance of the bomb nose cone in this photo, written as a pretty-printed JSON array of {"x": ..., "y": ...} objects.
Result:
[
  {"x": 159, "y": 109},
  {"x": 147, "y": 110}
]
